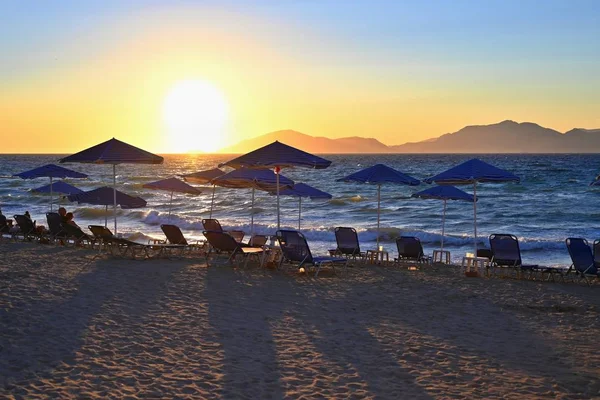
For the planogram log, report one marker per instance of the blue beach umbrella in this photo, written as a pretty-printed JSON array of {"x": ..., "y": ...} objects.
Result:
[
  {"x": 58, "y": 187},
  {"x": 262, "y": 179},
  {"x": 113, "y": 152},
  {"x": 205, "y": 177},
  {"x": 380, "y": 174},
  {"x": 301, "y": 190},
  {"x": 278, "y": 155},
  {"x": 472, "y": 172},
  {"x": 50, "y": 171},
  {"x": 105, "y": 196},
  {"x": 172, "y": 185},
  {"x": 444, "y": 193}
]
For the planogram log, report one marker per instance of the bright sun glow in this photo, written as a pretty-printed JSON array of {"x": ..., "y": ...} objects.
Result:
[{"x": 195, "y": 113}]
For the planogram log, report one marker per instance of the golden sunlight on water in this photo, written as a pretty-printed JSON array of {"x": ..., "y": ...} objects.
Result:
[{"x": 195, "y": 113}]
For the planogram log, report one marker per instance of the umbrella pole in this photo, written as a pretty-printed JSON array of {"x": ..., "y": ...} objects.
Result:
[
  {"x": 443, "y": 224},
  {"x": 252, "y": 216},
  {"x": 115, "y": 195},
  {"x": 299, "y": 210},
  {"x": 171, "y": 203},
  {"x": 475, "y": 215},
  {"x": 277, "y": 174},
  {"x": 212, "y": 202},
  {"x": 378, "y": 211},
  {"x": 106, "y": 216},
  {"x": 51, "y": 194}
]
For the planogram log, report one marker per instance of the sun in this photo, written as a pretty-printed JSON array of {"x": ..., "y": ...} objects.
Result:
[{"x": 195, "y": 113}]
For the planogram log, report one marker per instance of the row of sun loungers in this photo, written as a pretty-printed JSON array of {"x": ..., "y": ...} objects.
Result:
[{"x": 504, "y": 254}]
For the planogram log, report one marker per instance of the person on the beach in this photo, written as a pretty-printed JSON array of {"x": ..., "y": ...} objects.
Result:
[
  {"x": 63, "y": 214},
  {"x": 28, "y": 215},
  {"x": 70, "y": 220}
]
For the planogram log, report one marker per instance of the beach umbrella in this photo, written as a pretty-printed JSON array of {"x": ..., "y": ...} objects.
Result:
[
  {"x": 106, "y": 196},
  {"x": 172, "y": 185},
  {"x": 57, "y": 187},
  {"x": 301, "y": 190},
  {"x": 472, "y": 172},
  {"x": 444, "y": 193},
  {"x": 278, "y": 155},
  {"x": 50, "y": 171},
  {"x": 380, "y": 174},
  {"x": 113, "y": 152},
  {"x": 262, "y": 179},
  {"x": 205, "y": 177}
]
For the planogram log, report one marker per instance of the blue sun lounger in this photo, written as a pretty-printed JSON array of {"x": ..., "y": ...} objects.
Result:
[
  {"x": 295, "y": 249},
  {"x": 582, "y": 258}
]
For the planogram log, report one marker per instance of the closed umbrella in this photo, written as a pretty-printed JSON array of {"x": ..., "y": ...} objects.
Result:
[
  {"x": 444, "y": 193},
  {"x": 278, "y": 155},
  {"x": 301, "y": 190},
  {"x": 262, "y": 179},
  {"x": 172, "y": 185},
  {"x": 205, "y": 177},
  {"x": 113, "y": 152},
  {"x": 472, "y": 172},
  {"x": 380, "y": 174},
  {"x": 105, "y": 196},
  {"x": 51, "y": 171}
]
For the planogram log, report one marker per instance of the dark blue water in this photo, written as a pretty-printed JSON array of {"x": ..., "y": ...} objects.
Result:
[{"x": 553, "y": 201}]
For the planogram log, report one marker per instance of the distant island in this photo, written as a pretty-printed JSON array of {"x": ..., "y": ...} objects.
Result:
[{"x": 504, "y": 137}]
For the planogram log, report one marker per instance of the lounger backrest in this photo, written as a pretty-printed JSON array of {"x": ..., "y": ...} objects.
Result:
[
  {"x": 294, "y": 246},
  {"x": 73, "y": 231},
  {"x": 25, "y": 224},
  {"x": 597, "y": 253},
  {"x": 347, "y": 240},
  {"x": 101, "y": 232},
  {"x": 3, "y": 224},
  {"x": 212, "y": 225},
  {"x": 505, "y": 249},
  {"x": 409, "y": 247},
  {"x": 221, "y": 240},
  {"x": 258, "y": 240},
  {"x": 237, "y": 235},
  {"x": 581, "y": 255},
  {"x": 173, "y": 234},
  {"x": 54, "y": 220}
]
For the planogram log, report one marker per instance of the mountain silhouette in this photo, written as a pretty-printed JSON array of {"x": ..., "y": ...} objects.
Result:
[{"x": 503, "y": 137}]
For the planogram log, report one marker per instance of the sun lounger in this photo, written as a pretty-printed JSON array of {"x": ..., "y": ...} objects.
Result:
[
  {"x": 411, "y": 249},
  {"x": 175, "y": 236},
  {"x": 583, "y": 259},
  {"x": 54, "y": 226},
  {"x": 27, "y": 228},
  {"x": 258, "y": 241},
  {"x": 295, "y": 250},
  {"x": 213, "y": 225},
  {"x": 75, "y": 234},
  {"x": 223, "y": 242},
  {"x": 506, "y": 254},
  {"x": 121, "y": 246},
  {"x": 4, "y": 227},
  {"x": 347, "y": 243}
]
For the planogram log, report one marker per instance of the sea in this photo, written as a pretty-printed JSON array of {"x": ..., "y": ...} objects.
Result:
[{"x": 553, "y": 201}]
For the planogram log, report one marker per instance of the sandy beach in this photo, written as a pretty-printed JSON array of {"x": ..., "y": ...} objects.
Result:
[{"x": 109, "y": 328}]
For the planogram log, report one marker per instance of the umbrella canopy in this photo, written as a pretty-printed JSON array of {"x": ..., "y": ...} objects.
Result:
[
  {"x": 380, "y": 174},
  {"x": 301, "y": 190},
  {"x": 50, "y": 171},
  {"x": 278, "y": 155},
  {"x": 263, "y": 179},
  {"x": 172, "y": 185},
  {"x": 58, "y": 187},
  {"x": 103, "y": 196},
  {"x": 203, "y": 177},
  {"x": 114, "y": 152},
  {"x": 472, "y": 172},
  {"x": 444, "y": 193}
]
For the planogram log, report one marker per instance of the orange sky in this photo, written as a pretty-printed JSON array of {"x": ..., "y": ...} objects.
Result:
[{"x": 111, "y": 78}]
